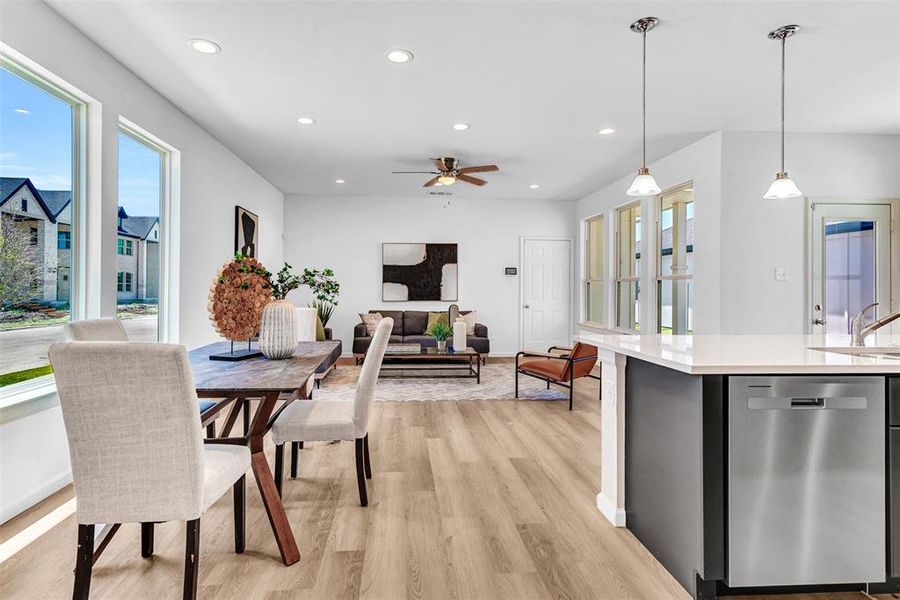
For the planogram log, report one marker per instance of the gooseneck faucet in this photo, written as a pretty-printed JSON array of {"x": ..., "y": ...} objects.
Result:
[{"x": 858, "y": 333}]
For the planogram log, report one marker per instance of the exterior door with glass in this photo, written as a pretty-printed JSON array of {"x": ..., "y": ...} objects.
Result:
[{"x": 851, "y": 266}]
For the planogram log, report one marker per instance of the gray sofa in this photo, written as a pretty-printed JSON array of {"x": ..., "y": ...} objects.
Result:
[{"x": 409, "y": 327}]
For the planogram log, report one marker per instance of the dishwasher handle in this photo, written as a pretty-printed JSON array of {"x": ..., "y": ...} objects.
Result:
[{"x": 807, "y": 403}]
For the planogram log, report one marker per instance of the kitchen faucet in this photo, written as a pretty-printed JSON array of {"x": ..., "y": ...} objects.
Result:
[{"x": 858, "y": 333}]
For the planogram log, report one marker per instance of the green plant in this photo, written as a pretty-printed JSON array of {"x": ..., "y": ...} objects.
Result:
[
  {"x": 323, "y": 309},
  {"x": 325, "y": 289},
  {"x": 440, "y": 331},
  {"x": 284, "y": 283}
]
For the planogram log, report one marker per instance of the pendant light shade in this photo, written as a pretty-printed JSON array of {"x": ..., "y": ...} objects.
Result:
[
  {"x": 644, "y": 184},
  {"x": 783, "y": 187}
]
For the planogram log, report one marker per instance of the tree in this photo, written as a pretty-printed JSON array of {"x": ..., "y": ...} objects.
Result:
[{"x": 18, "y": 263}]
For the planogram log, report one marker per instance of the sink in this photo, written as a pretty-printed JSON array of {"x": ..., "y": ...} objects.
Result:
[{"x": 867, "y": 351}]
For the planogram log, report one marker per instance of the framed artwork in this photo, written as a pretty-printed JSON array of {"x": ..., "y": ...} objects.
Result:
[
  {"x": 246, "y": 232},
  {"x": 411, "y": 272}
]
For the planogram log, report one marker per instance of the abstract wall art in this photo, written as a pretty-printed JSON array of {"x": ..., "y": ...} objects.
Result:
[
  {"x": 411, "y": 272},
  {"x": 246, "y": 232}
]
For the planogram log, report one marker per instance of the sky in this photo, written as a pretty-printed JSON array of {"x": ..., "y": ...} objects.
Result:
[{"x": 36, "y": 142}]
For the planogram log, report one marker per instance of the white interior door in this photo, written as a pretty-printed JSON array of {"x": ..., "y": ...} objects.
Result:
[
  {"x": 546, "y": 293},
  {"x": 851, "y": 264}
]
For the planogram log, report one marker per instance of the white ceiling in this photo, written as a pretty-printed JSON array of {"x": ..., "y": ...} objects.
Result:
[{"x": 534, "y": 79}]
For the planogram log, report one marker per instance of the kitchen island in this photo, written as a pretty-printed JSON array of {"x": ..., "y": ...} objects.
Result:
[{"x": 755, "y": 463}]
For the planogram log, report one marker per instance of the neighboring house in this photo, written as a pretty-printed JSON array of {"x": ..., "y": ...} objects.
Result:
[{"x": 46, "y": 216}]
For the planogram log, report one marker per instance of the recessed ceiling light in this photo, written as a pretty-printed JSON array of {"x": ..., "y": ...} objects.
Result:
[
  {"x": 339, "y": 181},
  {"x": 606, "y": 131},
  {"x": 399, "y": 56},
  {"x": 205, "y": 46},
  {"x": 460, "y": 126},
  {"x": 306, "y": 120},
  {"x": 22, "y": 111},
  {"x": 534, "y": 186}
]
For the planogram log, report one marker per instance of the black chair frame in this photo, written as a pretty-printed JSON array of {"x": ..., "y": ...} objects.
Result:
[{"x": 549, "y": 354}]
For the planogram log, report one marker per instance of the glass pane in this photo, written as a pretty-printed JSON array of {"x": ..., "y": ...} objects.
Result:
[
  {"x": 676, "y": 306},
  {"x": 596, "y": 261},
  {"x": 140, "y": 168},
  {"x": 628, "y": 295},
  {"x": 676, "y": 233},
  {"x": 849, "y": 271},
  {"x": 596, "y": 302},
  {"x": 35, "y": 226},
  {"x": 629, "y": 252}
]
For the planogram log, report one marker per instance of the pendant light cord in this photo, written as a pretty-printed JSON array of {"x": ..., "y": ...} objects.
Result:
[
  {"x": 783, "y": 40},
  {"x": 644, "y": 101}
]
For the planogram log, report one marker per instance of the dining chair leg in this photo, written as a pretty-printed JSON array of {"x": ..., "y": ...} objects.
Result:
[
  {"x": 279, "y": 467},
  {"x": 366, "y": 456},
  {"x": 360, "y": 472},
  {"x": 191, "y": 559},
  {"x": 295, "y": 458},
  {"x": 240, "y": 514},
  {"x": 84, "y": 560},
  {"x": 146, "y": 540},
  {"x": 246, "y": 416}
]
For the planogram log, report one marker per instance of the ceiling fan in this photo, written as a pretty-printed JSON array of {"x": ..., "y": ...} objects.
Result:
[{"x": 449, "y": 172}]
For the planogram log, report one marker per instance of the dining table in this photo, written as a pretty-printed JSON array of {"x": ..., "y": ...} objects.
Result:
[{"x": 275, "y": 384}]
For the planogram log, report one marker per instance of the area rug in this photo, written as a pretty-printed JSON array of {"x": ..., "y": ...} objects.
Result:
[{"x": 497, "y": 383}]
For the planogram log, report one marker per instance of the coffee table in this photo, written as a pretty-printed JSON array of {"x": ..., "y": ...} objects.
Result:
[{"x": 464, "y": 364}]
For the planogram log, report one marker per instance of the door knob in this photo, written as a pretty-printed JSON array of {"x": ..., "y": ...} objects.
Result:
[
  {"x": 819, "y": 322},
  {"x": 525, "y": 306}
]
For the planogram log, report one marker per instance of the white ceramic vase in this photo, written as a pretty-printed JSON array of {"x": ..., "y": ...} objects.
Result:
[
  {"x": 306, "y": 323},
  {"x": 460, "y": 341},
  {"x": 278, "y": 330}
]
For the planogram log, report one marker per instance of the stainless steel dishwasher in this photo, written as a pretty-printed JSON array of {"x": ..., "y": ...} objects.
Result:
[{"x": 806, "y": 480}]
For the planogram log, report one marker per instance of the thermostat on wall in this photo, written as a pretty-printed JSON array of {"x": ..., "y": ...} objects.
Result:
[{"x": 511, "y": 270}]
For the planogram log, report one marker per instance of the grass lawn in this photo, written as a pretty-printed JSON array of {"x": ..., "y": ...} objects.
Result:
[{"x": 20, "y": 376}]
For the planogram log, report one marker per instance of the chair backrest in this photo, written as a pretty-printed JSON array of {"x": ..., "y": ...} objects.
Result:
[
  {"x": 584, "y": 367},
  {"x": 368, "y": 376},
  {"x": 130, "y": 411},
  {"x": 108, "y": 329}
]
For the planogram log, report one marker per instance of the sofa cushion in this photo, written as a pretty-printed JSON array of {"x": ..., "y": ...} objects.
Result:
[
  {"x": 415, "y": 322},
  {"x": 426, "y": 341},
  {"x": 397, "y": 316},
  {"x": 371, "y": 320},
  {"x": 553, "y": 368}
]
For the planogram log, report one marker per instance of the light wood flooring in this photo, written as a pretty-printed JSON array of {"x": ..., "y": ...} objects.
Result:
[{"x": 479, "y": 499}]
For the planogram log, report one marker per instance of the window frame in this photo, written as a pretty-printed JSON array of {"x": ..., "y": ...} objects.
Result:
[
  {"x": 619, "y": 279},
  {"x": 66, "y": 236},
  {"x": 589, "y": 281},
  {"x": 660, "y": 276}
]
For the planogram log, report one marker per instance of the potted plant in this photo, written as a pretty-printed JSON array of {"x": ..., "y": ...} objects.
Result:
[
  {"x": 278, "y": 326},
  {"x": 441, "y": 332},
  {"x": 325, "y": 289}
]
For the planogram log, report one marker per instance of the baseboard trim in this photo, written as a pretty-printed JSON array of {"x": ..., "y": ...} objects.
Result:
[
  {"x": 17, "y": 507},
  {"x": 608, "y": 509}
]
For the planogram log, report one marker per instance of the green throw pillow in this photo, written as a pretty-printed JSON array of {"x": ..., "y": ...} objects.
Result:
[
  {"x": 437, "y": 317},
  {"x": 320, "y": 329}
]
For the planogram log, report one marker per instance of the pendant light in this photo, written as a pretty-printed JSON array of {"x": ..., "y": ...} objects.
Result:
[
  {"x": 644, "y": 184},
  {"x": 783, "y": 186}
]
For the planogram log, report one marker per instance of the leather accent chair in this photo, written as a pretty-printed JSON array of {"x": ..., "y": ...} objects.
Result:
[{"x": 558, "y": 365}]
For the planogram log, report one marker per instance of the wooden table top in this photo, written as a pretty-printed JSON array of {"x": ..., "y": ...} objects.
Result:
[{"x": 256, "y": 375}]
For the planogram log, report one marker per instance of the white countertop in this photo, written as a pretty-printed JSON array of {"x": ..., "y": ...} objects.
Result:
[{"x": 748, "y": 354}]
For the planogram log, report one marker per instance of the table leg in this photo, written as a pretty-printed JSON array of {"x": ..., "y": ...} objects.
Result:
[
  {"x": 284, "y": 537},
  {"x": 232, "y": 417}
]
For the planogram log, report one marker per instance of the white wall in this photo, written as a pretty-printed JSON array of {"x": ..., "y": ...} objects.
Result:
[
  {"x": 759, "y": 235},
  {"x": 699, "y": 162},
  {"x": 346, "y": 234},
  {"x": 213, "y": 180}
]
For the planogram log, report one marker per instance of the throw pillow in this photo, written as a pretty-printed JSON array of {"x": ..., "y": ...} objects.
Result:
[
  {"x": 371, "y": 320},
  {"x": 436, "y": 317},
  {"x": 320, "y": 329},
  {"x": 470, "y": 322}
]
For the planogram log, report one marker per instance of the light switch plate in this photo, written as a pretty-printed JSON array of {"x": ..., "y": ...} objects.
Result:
[{"x": 781, "y": 274}]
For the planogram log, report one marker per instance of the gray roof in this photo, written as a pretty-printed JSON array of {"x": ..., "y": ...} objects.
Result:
[
  {"x": 53, "y": 201},
  {"x": 8, "y": 185},
  {"x": 138, "y": 227},
  {"x": 56, "y": 200}
]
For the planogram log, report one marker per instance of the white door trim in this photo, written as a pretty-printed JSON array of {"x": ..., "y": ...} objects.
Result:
[
  {"x": 573, "y": 285},
  {"x": 894, "y": 203}
]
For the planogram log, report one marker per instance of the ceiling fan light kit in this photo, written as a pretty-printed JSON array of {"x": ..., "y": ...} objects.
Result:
[
  {"x": 644, "y": 184},
  {"x": 783, "y": 187},
  {"x": 448, "y": 172}
]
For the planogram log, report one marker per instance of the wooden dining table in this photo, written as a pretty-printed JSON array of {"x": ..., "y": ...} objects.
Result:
[{"x": 276, "y": 383}]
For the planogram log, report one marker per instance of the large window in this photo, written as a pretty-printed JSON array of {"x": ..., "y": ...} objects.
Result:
[
  {"x": 675, "y": 291},
  {"x": 628, "y": 267},
  {"x": 39, "y": 191},
  {"x": 141, "y": 189},
  {"x": 595, "y": 268}
]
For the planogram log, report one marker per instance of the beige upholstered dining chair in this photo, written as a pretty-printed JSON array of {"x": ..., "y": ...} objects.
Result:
[
  {"x": 326, "y": 420},
  {"x": 159, "y": 471}
]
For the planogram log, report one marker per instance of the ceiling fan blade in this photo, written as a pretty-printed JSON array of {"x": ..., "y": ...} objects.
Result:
[
  {"x": 417, "y": 172},
  {"x": 440, "y": 164},
  {"x": 481, "y": 169},
  {"x": 431, "y": 182},
  {"x": 472, "y": 180}
]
